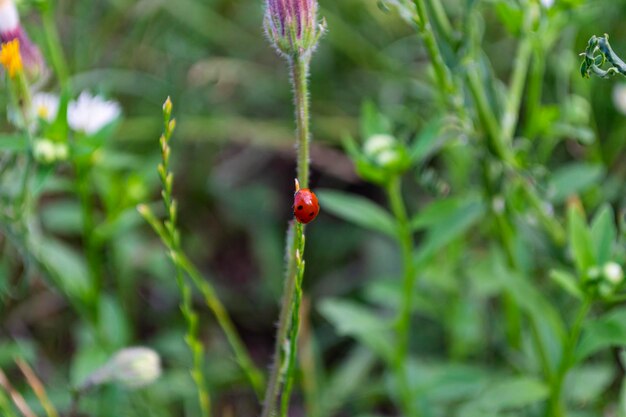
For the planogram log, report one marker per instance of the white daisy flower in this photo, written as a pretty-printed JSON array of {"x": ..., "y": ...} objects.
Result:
[
  {"x": 89, "y": 114},
  {"x": 45, "y": 106}
]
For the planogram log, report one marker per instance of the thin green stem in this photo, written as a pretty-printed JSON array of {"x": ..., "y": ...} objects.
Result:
[
  {"x": 273, "y": 385},
  {"x": 405, "y": 240},
  {"x": 441, "y": 20},
  {"x": 53, "y": 41},
  {"x": 219, "y": 311},
  {"x": 295, "y": 320},
  {"x": 171, "y": 231},
  {"x": 290, "y": 307},
  {"x": 422, "y": 21},
  {"x": 94, "y": 261},
  {"x": 300, "y": 74},
  {"x": 516, "y": 88}
]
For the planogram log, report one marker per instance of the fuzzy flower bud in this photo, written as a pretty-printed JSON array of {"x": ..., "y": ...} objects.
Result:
[
  {"x": 292, "y": 26},
  {"x": 133, "y": 367},
  {"x": 11, "y": 30}
]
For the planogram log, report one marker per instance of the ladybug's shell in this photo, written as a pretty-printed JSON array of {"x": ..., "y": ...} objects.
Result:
[{"x": 305, "y": 206}]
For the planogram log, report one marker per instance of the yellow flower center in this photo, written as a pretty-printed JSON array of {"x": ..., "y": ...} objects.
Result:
[
  {"x": 43, "y": 112},
  {"x": 10, "y": 57}
]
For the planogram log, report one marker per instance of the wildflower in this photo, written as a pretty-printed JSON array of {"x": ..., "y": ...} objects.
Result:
[
  {"x": 292, "y": 26},
  {"x": 45, "y": 106},
  {"x": 11, "y": 58},
  {"x": 133, "y": 367},
  {"x": 11, "y": 31},
  {"x": 619, "y": 97},
  {"x": 89, "y": 114}
]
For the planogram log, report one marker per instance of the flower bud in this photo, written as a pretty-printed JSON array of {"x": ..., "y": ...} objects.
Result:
[
  {"x": 613, "y": 273},
  {"x": 292, "y": 26},
  {"x": 133, "y": 367},
  {"x": 11, "y": 30},
  {"x": 385, "y": 152}
]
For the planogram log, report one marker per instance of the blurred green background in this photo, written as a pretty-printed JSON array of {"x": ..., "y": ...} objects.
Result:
[{"x": 234, "y": 161}]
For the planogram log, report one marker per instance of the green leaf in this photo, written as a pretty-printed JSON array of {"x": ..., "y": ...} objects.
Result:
[
  {"x": 426, "y": 142},
  {"x": 586, "y": 383},
  {"x": 363, "y": 323},
  {"x": 346, "y": 380},
  {"x": 372, "y": 121},
  {"x": 357, "y": 210},
  {"x": 448, "y": 226},
  {"x": 603, "y": 333},
  {"x": 114, "y": 324},
  {"x": 580, "y": 240},
  {"x": 568, "y": 282},
  {"x": 440, "y": 211},
  {"x": 62, "y": 216},
  {"x": 574, "y": 179},
  {"x": 13, "y": 143},
  {"x": 67, "y": 267},
  {"x": 512, "y": 392},
  {"x": 603, "y": 234}
]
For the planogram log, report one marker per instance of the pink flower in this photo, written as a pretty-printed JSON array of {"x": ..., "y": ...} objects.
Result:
[
  {"x": 292, "y": 26},
  {"x": 11, "y": 29}
]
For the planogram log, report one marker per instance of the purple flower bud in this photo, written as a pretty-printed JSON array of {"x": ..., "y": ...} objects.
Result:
[
  {"x": 10, "y": 29},
  {"x": 292, "y": 26}
]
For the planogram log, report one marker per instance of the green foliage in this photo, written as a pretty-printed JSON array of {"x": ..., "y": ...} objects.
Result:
[{"x": 468, "y": 257}]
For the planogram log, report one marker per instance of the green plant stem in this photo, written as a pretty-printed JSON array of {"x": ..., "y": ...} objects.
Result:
[
  {"x": 54, "y": 43},
  {"x": 217, "y": 308},
  {"x": 299, "y": 66},
  {"x": 300, "y": 74},
  {"x": 422, "y": 21},
  {"x": 405, "y": 240},
  {"x": 273, "y": 384},
  {"x": 556, "y": 407},
  {"x": 211, "y": 300},
  {"x": 295, "y": 320},
  {"x": 94, "y": 261},
  {"x": 173, "y": 237},
  {"x": 518, "y": 80},
  {"x": 441, "y": 20}
]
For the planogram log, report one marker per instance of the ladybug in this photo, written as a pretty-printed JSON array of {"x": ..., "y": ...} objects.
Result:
[{"x": 305, "y": 205}]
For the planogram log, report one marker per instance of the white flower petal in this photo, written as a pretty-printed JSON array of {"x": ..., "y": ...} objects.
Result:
[
  {"x": 89, "y": 114},
  {"x": 9, "y": 18}
]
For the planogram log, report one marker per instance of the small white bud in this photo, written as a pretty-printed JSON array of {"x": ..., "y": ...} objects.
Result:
[
  {"x": 133, "y": 367},
  {"x": 378, "y": 143},
  {"x": 613, "y": 273},
  {"x": 44, "y": 151},
  {"x": 619, "y": 97}
]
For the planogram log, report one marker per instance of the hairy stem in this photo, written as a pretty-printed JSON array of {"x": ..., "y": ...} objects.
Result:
[
  {"x": 295, "y": 261},
  {"x": 273, "y": 385},
  {"x": 299, "y": 75}
]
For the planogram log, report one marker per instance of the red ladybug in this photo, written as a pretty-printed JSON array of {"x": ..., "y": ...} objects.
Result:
[{"x": 305, "y": 205}]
